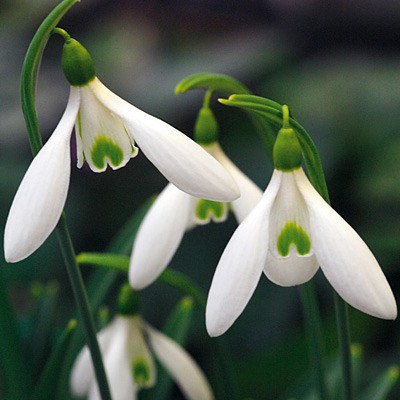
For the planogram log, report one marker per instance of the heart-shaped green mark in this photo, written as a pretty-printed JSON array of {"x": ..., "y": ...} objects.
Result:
[
  {"x": 207, "y": 209},
  {"x": 293, "y": 234},
  {"x": 141, "y": 372},
  {"x": 105, "y": 148}
]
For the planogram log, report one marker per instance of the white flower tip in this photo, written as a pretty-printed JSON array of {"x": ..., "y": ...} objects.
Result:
[{"x": 218, "y": 320}]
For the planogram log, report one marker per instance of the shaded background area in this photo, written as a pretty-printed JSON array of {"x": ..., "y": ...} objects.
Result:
[{"x": 335, "y": 63}]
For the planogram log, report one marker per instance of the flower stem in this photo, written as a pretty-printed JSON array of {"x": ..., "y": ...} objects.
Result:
[
  {"x": 82, "y": 303},
  {"x": 313, "y": 325},
  {"x": 342, "y": 322}
]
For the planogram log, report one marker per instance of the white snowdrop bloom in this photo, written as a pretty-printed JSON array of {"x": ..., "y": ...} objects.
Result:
[
  {"x": 107, "y": 130},
  {"x": 288, "y": 235},
  {"x": 127, "y": 345},
  {"x": 174, "y": 212}
]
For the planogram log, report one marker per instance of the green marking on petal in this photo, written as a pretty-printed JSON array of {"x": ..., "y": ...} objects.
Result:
[
  {"x": 208, "y": 209},
  {"x": 141, "y": 372},
  {"x": 293, "y": 234},
  {"x": 104, "y": 147}
]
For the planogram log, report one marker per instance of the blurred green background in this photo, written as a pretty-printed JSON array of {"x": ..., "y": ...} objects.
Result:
[{"x": 335, "y": 63}]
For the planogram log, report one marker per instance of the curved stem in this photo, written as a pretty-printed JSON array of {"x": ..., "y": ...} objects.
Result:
[{"x": 82, "y": 303}]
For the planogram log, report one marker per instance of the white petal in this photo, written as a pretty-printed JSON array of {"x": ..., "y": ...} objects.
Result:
[
  {"x": 159, "y": 236},
  {"x": 180, "y": 365},
  {"x": 241, "y": 265},
  {"x": 118, "y": 362},
  {"x": 101, "y": 136},
  {"x": 182, "y": 161},
  {"x": 41, "y": 196},
  {"x": 250, "y": 193},
  {"x": 82, "y": 374},
  {"x": 347, "y": 262},
  {"x": 292, "y": 270}
]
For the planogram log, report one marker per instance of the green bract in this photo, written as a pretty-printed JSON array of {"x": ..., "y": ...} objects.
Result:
[
  {"x": 287, "y": 151},
  {"x": 77, "y": 63}
]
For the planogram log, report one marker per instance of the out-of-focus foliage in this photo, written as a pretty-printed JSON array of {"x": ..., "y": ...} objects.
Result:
[{"x": 336, "y": 64}]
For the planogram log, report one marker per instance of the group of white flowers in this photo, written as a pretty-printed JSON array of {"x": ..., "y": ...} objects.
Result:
[{"x": 287, "y": 232}]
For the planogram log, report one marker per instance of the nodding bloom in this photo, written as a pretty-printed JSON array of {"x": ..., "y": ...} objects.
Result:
[
  {"x": 288, "y": 235},
  {"x": 107, "y": 130},
  {"x": 127, "y": 345},
  {"x": 174, "y": 212}
]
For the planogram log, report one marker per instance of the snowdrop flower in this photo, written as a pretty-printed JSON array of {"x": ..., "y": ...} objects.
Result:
[
  {"x": 288, "y": 235},
  {"x": 127, "y": 344},
  {"x": 107, "y": 129},
  {"x": 174, "y": 212}
]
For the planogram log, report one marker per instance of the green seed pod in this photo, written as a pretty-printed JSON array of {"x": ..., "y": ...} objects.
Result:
[
  {"x": 206, "y": 127},
  {"x": 128, "y": 301},
  {"x": 77, "y": 63},
  {"x": 287, "y": 150}
]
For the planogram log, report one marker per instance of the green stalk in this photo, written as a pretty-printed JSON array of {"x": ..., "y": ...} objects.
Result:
[
  {"x": 30, "y": 71},
  {"x": 29, "y": 78},
  {"x": 343, "y": 328},
  {"x": 313, "y": 328},
  {"x": 82, "y": 303}
]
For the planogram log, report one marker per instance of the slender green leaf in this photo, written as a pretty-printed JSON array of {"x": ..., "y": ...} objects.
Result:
[{"x": 16, "y": 374}]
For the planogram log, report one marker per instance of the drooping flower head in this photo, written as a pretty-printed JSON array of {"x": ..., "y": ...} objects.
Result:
[
  {"x": 127, "y": 345},
  {"x": 175, "y": 212},
  {"x": 107, "y": 131},
  {"x": 288, "y": 235}
]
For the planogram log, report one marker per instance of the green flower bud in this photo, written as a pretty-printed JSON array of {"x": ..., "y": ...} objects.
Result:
[
  {"x": 128, "y": 301},
  {"x": 287, "y": 151},
  {"x": 77, "y": 63},
  {"x": 206, "y": 127}
]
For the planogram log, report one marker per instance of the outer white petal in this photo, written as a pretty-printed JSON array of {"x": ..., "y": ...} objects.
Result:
[
  {"x": 159, "y": 236},
  {"x": 250, "y": 193},
  {"x": 180, "y": 365},
  {"x": 41, "y": 196},
  {"x": 292, "y": 270},
  {"x": 82, "y": 374},
  {"x": 182, "y": 161},
  {"x": 347, "y": 262},
  {"x": 241, "y": 265}
]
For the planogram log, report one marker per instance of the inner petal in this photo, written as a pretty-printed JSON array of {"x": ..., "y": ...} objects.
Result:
[
  {"x": 289, "y": 223},
  {"x": 207, "y": 210},
  {"x": 101, "y": 136}
]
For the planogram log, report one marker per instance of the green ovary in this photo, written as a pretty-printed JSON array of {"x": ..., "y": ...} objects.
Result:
[
  {"x": 105, "y": 148},
  {"x": 208, "y": 208},
  {"x": 293, "y": 234},
  {"x": 141, "y": 372}
]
